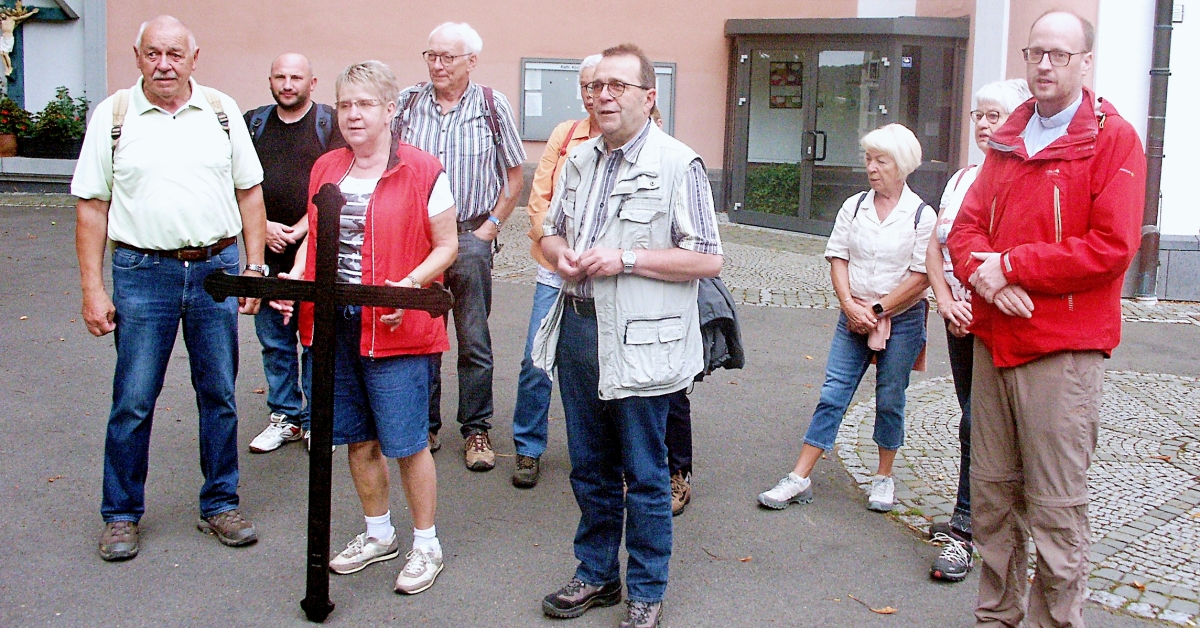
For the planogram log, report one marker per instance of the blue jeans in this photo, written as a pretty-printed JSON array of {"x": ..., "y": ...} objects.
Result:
[
  {"x": 281, "y": 365},
  {"x": 849, "y": 357},
  {"x": 470, "y": 279},
  {"x": 153, "y": 295},
  {"x": 530, "y": 416},
  {"x": 962, "y": 357},
  {"x": 610, "y": 441}
]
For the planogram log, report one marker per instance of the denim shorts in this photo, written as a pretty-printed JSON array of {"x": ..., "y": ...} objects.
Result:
[{"x": 383, "y": 399}]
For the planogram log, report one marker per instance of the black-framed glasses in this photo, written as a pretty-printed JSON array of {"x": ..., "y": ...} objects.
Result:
[
  {"x": 431, "y": 57},
  {"x": 992, "y": 116},
  {"x": 1058, "y": 58},
  {"x": 615, "y": 88},
  {"x": 364, "y": 104}
]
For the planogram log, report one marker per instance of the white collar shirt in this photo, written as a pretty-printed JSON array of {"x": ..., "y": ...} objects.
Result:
[
  {"x": 1041, "y": 131},
  {"x": 881, "y": 254},
  {"x": 171, "y": 182}
]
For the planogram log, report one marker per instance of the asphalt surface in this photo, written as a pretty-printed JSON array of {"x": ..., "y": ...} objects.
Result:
[{"x": 734, "y": 564}]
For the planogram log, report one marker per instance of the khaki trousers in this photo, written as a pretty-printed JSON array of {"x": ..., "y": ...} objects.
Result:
[{"x": 1033, "y": 430}]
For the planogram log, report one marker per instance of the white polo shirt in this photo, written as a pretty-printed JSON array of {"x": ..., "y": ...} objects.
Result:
[{"x": 172, "y": 184}]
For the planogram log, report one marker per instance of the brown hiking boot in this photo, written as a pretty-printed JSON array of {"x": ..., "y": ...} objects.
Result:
[
  {"x": 230, "y": 527},
  {"x": 527, "y": 471},
  {"x": 681, "y": 492},
  {"x": 477, "y": 452},
  {"x": 119, "y": 541}
]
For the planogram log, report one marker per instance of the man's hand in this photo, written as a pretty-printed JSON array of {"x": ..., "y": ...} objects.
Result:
[
  {"x": 568, "y": 266},
  {"x": 280, "y": 236},
  {"x": 248, "y": 305},
  {"x": 1014, "y": 301},
  {"x": 599, "y": 262},
  {"x": 99, "y": 313},
  {"x": 487, "y": 232},
  {"x": 988, "y": 278}
]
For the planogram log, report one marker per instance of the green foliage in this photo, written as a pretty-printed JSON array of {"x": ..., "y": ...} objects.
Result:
[
  {"x": 64, "y": 118},
  {"x": 773, "y": 188},
  {"x": 14, "y": 120}
]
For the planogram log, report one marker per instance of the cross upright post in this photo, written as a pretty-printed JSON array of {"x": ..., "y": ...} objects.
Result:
[{"x": 326, "y": 294}]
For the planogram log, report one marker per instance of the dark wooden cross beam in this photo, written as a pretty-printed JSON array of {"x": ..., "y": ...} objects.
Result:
[{"x": 326, "y": 294}]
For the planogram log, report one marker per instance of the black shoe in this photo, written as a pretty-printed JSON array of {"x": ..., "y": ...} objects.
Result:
[
  {"x": 642, "y": 615},
  {"x": 947, "y": 528},
  {"x": 119, "y": 541},
  {"x": 575, "y": 598},
  {"x": 527, "y": 471},
  {"x": 955, "y": 561},
  {"x": 435, "y": 443}
]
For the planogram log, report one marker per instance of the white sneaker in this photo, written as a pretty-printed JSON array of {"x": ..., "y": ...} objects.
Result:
[
  {"x": 308, "y": 442},
  {"x": 883, "y": 494},
  {"x": 792, "y": 489},
  {"x": 363, "y": 550},
  {"x": 278, "y": 432},
  {"x": 419, "y": 573}
]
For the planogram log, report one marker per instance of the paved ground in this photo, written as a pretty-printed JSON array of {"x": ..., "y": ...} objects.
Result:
[{"x": 734, "y": 564}]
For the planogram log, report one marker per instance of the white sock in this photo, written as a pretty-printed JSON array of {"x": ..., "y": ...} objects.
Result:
[
  {"x": 380, "y": 528},
  {"x": 803, "y": 481},
  {"x": 427, "y": 541}
]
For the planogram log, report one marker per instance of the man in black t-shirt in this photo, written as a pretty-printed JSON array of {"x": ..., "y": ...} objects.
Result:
[{"x": 289, "y": 137}]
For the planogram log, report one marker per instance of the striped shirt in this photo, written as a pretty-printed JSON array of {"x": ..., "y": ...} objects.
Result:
[
  {"x": 462, "y": 140},
  {"x": 693, "y": 220}
]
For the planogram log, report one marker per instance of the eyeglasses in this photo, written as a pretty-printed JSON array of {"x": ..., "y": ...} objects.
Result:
[
  {"x": 615, "y": 88},
  {"x": 1058, "y": 58},
  {"x": 370, "y": 103},
  {"x": 431, "y": 57},
  {"x": 992, "y": 116}
]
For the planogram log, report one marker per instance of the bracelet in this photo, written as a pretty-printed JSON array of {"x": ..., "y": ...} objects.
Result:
[{"x": 416, "y": 284}]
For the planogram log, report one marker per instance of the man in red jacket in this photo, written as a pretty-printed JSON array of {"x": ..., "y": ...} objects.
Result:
[{"x": 1044, "y": 237}]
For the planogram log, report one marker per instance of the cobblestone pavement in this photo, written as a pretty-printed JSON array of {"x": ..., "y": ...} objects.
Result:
[{"x": 1145, "y": 552}]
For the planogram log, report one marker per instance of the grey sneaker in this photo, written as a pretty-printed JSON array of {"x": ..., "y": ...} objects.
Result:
[
  {"x": 792, "y": 489},
  {"x": 230, "y": 527},
  {"x": 363, "y": 550},
  {"x": 419, "y": 572},
  {"x": 574, "y": 599},
  {"x": 955, "y": 561},
  {"x": 642, "y": 615},
  {"x": 119, "y": 541},
  {"x": 883, "y": 494},
  {"x": 527, "y": 472}
]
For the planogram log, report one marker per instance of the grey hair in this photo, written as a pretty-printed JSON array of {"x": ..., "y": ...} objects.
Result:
[
  {"x": 589, "y": 61},
  {"x": 137, "y": 41},
  {"x": 373, "y": 76},
  {"x": 898, "y": 142},
  {"x": 1008, "y": 94},
  {"x": 464, "y": 33}
]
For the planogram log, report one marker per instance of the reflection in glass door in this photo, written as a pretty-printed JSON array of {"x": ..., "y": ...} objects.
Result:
[
  {"x": 849, "y": 104},
  {"x": 775, "y": 179}
]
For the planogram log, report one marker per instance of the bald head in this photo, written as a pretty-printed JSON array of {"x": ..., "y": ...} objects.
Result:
[
  {"x": 292, "y": 82},
  {"x": 164, "y": 23},
  {"x": 1059, "y": 33},
  {"x": 1065, "y": 21}
]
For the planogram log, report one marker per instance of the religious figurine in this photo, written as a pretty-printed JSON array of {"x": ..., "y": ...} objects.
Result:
[{"x": 10, "y": 18}]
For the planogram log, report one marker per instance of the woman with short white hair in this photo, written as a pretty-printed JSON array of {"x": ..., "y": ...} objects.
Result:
[{"x": 876, "y": 255}]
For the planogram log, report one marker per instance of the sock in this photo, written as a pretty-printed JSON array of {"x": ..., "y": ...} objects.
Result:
[
  {"x": 803, "y": 481},
  {"x": 427, "y": 541},
  {"x": 380, "y": 528}
]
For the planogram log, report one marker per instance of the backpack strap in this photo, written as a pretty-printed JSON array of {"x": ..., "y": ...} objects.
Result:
[
  {"x": 324, "y": 125},
  {"x": 562, "y": 151},
  {"x": 920, "y": 210},
  {"x": 120, "y": 107},
  {"x": 214, "y": 101},
  {"x": 258, "y": 121},
  {"x": 962, "y": 173},
  {"x": 493, "y": 122},
  {"x": 401, "y": 121},
  {"x": 857, "y": 206}
]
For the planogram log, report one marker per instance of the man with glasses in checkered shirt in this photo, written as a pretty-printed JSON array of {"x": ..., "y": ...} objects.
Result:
[{"x": 470, "y": 129}]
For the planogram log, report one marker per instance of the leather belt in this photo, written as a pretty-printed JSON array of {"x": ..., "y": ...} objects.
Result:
[
  {"x": 472, "y": 223},
  {"x": 582, "y": 307},
  {"x": 186, "y": 254}
]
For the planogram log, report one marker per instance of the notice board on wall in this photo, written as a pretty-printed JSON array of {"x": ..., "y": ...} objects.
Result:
[{"x": 550, "y": 95}]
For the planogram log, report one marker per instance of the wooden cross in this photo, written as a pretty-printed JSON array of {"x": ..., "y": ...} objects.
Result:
[{"x": 325, "y": 293}]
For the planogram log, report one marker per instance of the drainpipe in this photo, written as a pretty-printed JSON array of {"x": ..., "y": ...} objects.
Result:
[{"x": 1160, "y": 70}]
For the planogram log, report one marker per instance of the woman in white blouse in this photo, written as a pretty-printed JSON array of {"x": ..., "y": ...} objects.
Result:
[
  {"x": 877, "y": 262},
  {"x": 993, "y": 103}
]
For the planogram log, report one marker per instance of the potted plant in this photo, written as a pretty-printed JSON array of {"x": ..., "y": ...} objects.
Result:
[
  {"x": 14, "y": 121},
  {"x": 57, "y": 130}
]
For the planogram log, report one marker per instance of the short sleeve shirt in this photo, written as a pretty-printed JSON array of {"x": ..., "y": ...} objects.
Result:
[
  {"x": 170, "y": 183},
  {"x": 881, "y": 255}
]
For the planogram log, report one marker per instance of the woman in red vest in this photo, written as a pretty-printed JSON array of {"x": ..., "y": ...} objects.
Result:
[{"x": 397, "y": 229}]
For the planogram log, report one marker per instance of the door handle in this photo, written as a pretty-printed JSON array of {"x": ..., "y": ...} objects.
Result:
[
  {"x": 810, "y": 145},
  {"x": 824, "y": 145}
]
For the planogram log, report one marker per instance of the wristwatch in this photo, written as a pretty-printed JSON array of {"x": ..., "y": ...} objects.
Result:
[
  {"x": 877, "y": 307},
  {"x": 628, "y": 258},
  {"x": 260, "y": 268},
  {"x": 496, "y": 221}
]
